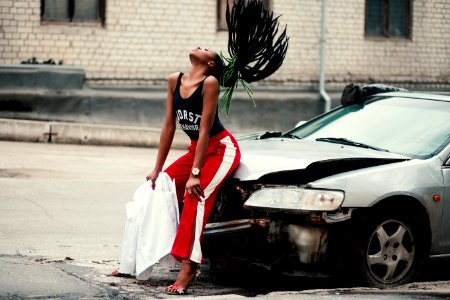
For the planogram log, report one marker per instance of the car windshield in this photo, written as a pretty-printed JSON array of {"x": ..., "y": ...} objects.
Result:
[{"x": 413, "y": 127}]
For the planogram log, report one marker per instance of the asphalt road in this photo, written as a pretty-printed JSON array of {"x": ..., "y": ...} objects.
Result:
[{"x": 62, "y": 215}]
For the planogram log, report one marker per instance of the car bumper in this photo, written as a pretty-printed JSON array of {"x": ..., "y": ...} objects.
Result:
[{"x": 307, "y": 241}]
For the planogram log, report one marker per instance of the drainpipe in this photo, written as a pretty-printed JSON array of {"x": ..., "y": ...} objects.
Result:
[{"x": 323, "y": 94}]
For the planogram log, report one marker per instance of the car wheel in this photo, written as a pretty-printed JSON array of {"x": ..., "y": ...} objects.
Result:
[{"x": 392, "y": 249}]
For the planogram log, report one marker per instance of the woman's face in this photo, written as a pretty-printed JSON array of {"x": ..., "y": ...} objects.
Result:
[{"x": 203, "y": 55}]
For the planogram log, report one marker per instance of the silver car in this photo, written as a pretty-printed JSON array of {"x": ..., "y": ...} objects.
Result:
[{"x": 363, "y": 190}]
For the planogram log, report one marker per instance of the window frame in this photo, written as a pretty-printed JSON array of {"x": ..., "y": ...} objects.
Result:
[
  {"x": 386, "y": 21},
  {"x": 101, "y": 14}
]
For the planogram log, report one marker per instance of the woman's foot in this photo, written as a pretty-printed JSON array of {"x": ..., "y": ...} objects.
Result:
[
  {"x": 174, "y": 289},
  {"x": 187, "y": 273},
  {"x": 116, "y": 273}
]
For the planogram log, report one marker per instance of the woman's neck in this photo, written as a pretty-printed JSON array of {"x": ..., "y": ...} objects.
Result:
[{"x": 197, "y": 72}]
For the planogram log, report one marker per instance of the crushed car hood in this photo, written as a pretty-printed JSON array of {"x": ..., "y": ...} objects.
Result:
[{"x": 262, "y": 157}]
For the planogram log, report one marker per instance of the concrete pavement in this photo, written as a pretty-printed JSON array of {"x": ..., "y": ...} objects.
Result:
[
  {"x": 33, "y": 278},
  {"x": 62, "y": 217}
]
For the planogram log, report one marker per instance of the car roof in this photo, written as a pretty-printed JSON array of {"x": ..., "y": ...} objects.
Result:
[{"x": 417, "y": 95}]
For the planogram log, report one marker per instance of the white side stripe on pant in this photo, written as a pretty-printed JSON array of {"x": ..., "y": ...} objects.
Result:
[{"x": 227, "y": 162}]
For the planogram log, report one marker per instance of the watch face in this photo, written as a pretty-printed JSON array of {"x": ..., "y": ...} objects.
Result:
[{"x": 195, "y": 171}]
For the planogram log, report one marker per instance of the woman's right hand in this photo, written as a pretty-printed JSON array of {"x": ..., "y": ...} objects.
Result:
[{"x": 152, "y": 176}]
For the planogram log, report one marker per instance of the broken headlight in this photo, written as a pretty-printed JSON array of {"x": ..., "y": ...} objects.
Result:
[{"x": 295, "y": 199}]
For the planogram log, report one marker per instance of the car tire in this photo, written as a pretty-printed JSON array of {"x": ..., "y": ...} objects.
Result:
[{"x": 392, "y": 248}]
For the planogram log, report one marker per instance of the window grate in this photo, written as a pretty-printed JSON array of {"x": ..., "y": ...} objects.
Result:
[
  {"x": 388, "y": 18},
  {"x": 73, "y": 10}
]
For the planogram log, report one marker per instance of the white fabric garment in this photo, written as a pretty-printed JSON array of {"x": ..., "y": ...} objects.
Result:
[{"x": 150, "y": 229}]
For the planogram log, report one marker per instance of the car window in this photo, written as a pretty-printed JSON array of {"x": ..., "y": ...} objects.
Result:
[{"x": 413, "y": 127}]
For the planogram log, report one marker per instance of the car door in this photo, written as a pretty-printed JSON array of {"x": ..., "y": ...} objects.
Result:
[{"x": 445, "y": 225}]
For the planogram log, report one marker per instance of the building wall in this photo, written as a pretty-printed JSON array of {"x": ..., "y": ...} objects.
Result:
[
  {"x": 144, "y": 41},
  {"x": 422, "y": 60}
]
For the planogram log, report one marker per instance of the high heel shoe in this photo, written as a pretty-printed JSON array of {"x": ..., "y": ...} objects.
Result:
[
  {"x": 174, "y": 289},
  {"x": 196, "y": 276}
]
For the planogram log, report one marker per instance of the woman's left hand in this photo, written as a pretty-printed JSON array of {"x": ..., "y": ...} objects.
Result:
[{"x": 193, "y": 188}]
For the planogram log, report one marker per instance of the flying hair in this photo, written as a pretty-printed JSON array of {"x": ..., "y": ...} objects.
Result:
[{"x": 256, "y": 49}]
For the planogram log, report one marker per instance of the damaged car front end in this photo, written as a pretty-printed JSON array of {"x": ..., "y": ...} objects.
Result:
[
  {"x": 341, "y": 194},
  {"x": 278, "y": 221}
]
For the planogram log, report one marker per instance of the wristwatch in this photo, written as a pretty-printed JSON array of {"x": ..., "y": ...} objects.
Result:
[{"x": 195, "y": 172}]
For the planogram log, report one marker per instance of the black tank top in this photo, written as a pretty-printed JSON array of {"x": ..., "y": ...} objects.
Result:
[{"x": 189, "y": 111}]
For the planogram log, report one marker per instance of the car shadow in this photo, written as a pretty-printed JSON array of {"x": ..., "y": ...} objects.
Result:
[
  {"x": 256, "y": 280},
  {"x": 437, "y": 270}
]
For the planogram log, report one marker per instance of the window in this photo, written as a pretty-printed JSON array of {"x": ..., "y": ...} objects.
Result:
[
  {"x": 222, "y": 10},
  {"x": 388, "y": 18},
  {"x": 73, "y": 10}
]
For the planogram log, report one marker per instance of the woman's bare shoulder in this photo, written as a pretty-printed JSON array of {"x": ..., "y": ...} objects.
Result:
[
  {"x": 210, "y": 86},
  {"x": 173, "y": 76},
  {"x": 211, "y": 81},
  {"x": 172, "y": 79}
]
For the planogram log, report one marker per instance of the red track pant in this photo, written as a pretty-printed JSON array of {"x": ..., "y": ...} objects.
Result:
[{"x": 222, "y": 158}]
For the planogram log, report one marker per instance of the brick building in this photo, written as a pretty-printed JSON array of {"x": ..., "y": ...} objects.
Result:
[{"x": 405, "y": 42}]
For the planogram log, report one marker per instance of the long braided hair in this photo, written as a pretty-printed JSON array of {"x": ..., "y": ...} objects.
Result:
[{"x": 255, "y": 50}]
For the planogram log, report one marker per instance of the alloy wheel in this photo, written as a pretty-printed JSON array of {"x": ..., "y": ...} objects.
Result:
[{"x": 390, "y": 252}]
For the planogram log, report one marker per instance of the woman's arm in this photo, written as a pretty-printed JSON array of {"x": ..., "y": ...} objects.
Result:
[
  {"x": 210, "y": 100},
  {"x": 167, "y": 131}
]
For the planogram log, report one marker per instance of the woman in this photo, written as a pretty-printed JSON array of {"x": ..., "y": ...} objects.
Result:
[
  {"x": 257, "y": 49},
  {"x": 212, "y": 156}
]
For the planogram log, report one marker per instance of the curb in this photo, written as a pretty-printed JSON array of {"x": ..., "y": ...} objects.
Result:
[
  {"x": 25, "y": 131},
  {"x": 84, "y": 134}
]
